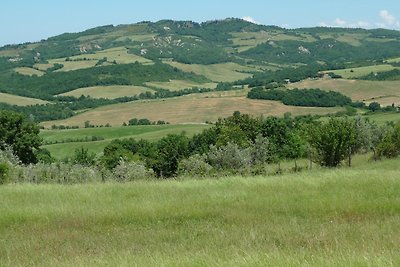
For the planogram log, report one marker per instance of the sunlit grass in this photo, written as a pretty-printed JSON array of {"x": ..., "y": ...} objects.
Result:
[{"x": 339, "y": 217}]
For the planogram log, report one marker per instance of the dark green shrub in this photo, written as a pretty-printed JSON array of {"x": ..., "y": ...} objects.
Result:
[{"x": 4, "y": 170}]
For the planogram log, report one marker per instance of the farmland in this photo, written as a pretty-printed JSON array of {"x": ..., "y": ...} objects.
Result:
[
  {"x": 362, "y": 71},
  {"x": 197, "y": 108},
  {"x": 178, "y": 85},
  {"x": 29, "y": 71},
  {"x": 118, "y": 55},
  {"x": 19, "y": 100},
  {"x": 110, "y": 92},
  {"x": 313, "y": 218},
  {"x": 66, "y": 145},
  {"x": 225, "y": 72},
  {"x": 360, "y": 90}
]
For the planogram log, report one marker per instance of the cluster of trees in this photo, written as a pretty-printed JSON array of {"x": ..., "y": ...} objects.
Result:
[
  {"x": 301, "y": 97},
  {"x": 92, "y": 138},
  {"x": 391, "y": 75},
  {"x": 238, "y": 144},
  {"x": 242, "y": 141},
  {"x": 144, "y": 121},
  {"x": 20, "y": 134}
]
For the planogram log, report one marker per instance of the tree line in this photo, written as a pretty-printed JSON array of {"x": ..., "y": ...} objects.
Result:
[
  {"x": 301, "y": 97},
  {"x": 239, "y": 144}
]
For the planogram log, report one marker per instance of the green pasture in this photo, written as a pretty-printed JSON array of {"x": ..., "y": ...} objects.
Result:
[
  {"x": 224, "y": 72},
  {"x": 110, "y": 92},
  {"x": 150, "y": 132},
  {"x": 20, "y": 100},
  {"x": 195, "y": 108},
  {"x": 362, "y": 71},
  {"x": 384, "y": 92},
  {"x": 324, "y": 217}
]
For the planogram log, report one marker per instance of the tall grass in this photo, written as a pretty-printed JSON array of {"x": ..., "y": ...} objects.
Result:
[{"x": 338, "y": 217}]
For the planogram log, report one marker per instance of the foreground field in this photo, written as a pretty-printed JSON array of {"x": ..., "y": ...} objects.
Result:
[
  {"x": 340, "y": 217},
  {"x": 196, "y": 108},
  {"x": 67, "y": 148}
]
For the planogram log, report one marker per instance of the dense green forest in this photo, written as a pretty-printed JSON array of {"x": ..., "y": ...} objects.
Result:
[{"x": 301, "y": 97}]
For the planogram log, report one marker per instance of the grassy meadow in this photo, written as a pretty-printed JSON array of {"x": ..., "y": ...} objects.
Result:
[
  {"x": 110, "y": 92},
  {"x": 20, "y": 100},
  {"x": 118, "y": 54},
  {"x": 362, "y": 71},
  {"x": 224, "y": 72},
  {"x": 151, "y": 132},
  {"x": 247, "y": 40},
  {"x": 195, "y": 108},
  {"x": 335, "y": 217},
  {"x": 29, "y": 71},
  {"x": 178, "y": 85},
  {"x": 384, "y": 92}
]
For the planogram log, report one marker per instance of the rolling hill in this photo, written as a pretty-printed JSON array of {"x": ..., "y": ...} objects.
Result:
[{"x": 160, "y": 63}]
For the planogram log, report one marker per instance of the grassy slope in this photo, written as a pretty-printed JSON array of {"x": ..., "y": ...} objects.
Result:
[
  {"x": 321, "y": 218},
  {"x": 381, "y": 91},
  {"x": 247, "y": 40},
  {"x": 196, "y": 108},
  {"x": 362, "y": 71},
  {"x": 224, "y": 72},
  {"x": 110, "y": 92},
  {"x": 119, "y": 54},
  {"x": 29, "y": 71},
  {"x": 19, "y": 100},
  {"x": 61, "y": 151},
  {"x": 177, "y": 85},
  {"x": 382, "y": 118}
]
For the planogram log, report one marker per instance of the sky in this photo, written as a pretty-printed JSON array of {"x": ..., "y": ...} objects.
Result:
[{"x": 29, "y": 21}]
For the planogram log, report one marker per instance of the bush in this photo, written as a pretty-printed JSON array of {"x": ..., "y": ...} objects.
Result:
[
  {"x": 61, "y": 173},
  {"x": 333, "y": 141},
  {"x": 263, "y": 151},
  {"x": 130, "y": 171},
  {"x": 83, "y": 157},
  {"x": 229, "y": 157},
  {"x": 389, "y": 147},
  {"x": 195, "y": 165},
  {"x": 4, "y": 169}
]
